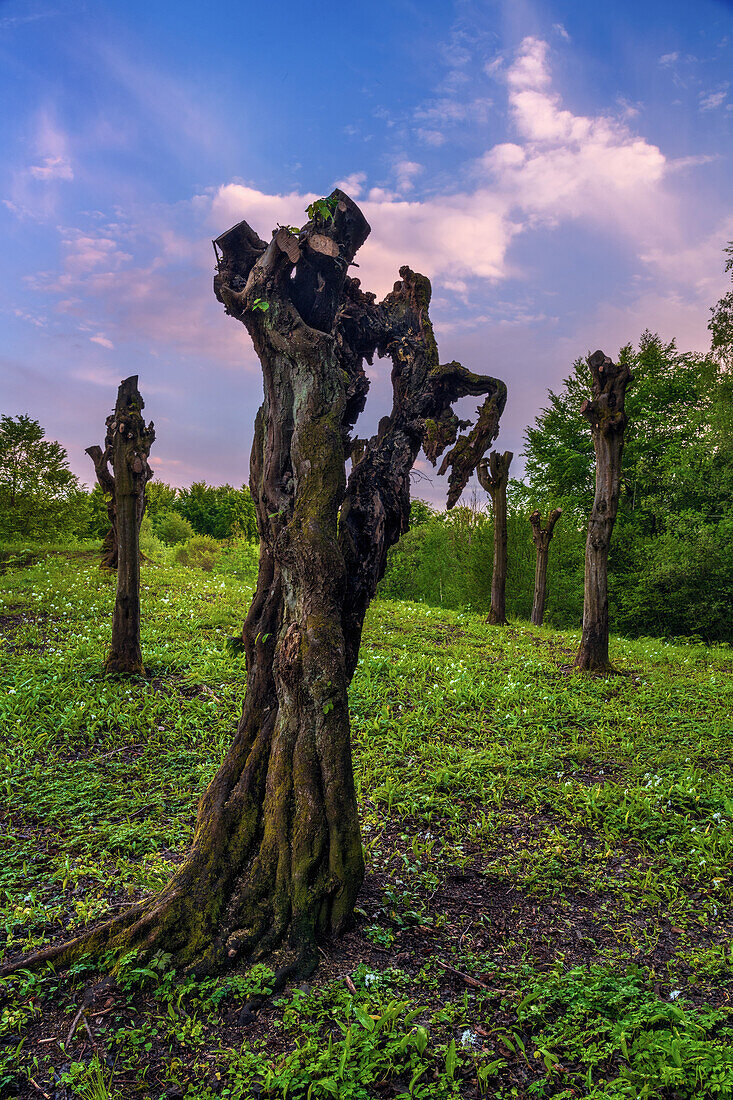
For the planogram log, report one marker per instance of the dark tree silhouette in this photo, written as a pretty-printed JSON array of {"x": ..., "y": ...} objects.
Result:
[
  {"x": 277, "y": 857},
  {"x": 541, "y": 537},
  {"x": 606, "y": 414},
  {"x": 493, "y": 476},
  {"x": 127, "y": 446}
]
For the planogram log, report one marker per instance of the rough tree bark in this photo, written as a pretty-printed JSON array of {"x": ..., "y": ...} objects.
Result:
[
  {"x": 493, "y": 476},
  {"x": 606, "y": 414},
  {"x": 541, "y": 537},
  {"x": 127, "y": 446},
  {"x": 276, "y": 860}
]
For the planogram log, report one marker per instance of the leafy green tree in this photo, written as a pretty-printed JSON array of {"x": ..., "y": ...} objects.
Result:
[
  {"x": 39, "y": 495},
  {"x": 172, "y": 528},
  {"x": 721, "y": 321},
  {"x": 678, "y": 462},
  {"x": 219, "y": 511},
  {"x": 159, "y": 499}
]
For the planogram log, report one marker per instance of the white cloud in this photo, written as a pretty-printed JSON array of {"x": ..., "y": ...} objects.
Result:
[
  {"x": 52, "y": 151},
  {"x": 52, "y": 168},
  {"x": 353, "y": 185},
  {"x": 561, "y": 166},
  {"x": 567, "y": 165},
  {"x": 711, "y": 100},
  {"x": 558, "y": 28},
  {"x": 102, "y": 340},
  {"x": 669, "y": 58},
  {"x": 430, "y": 137},
  {"x": 406, "y": 171}
]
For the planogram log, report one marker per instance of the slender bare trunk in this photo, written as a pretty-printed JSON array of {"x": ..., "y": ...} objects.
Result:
[
  {"x": 606, "y": 415},
  {"x": 127, "y": 446},
  {"x": 541, "y": 537},
  {"x": 493, "y": 475}
]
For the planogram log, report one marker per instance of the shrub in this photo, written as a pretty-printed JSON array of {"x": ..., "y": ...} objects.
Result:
[
  {"x": 150, "y": 545},
  {"x": 172, "y": 528},
  {"x": 200, "y": 552}
]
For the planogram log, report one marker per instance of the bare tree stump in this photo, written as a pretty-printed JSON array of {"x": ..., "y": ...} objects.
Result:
[
  {"x": 493, "y": 476},
  {"x": 606, "y": 415},
  {"x": 127, "y": 446},
  {"x": 277, "y": 860},
  {"x": 541, "y": 537}
]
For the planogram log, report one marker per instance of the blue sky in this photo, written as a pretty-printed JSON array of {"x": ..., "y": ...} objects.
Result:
[{"x": 560, "y": 171}]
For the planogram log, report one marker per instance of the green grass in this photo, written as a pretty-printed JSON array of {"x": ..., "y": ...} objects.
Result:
[{"x": 563, "y": 841}]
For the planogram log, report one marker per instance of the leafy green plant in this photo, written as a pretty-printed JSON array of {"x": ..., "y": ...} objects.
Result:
[
  {"x": 200, "y": 552},
  {"x": 322, "y": 208},
  {"x": 173, "y": 528}
]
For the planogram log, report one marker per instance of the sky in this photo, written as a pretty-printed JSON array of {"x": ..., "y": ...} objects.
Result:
[{"x": 560, "y": 171}]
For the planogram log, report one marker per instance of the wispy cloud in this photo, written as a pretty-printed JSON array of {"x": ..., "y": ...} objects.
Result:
[
  {"x": 710, "y": 100},
  {"x": 149, "y": 282}
]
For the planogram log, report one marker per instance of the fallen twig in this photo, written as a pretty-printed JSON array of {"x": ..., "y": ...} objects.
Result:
[
  {"x": 475, "y": 983},
  {"x": 72, "y": 1029},
  {"x": 38, "y": 1088},
  {"x": 349, "y": 985}
]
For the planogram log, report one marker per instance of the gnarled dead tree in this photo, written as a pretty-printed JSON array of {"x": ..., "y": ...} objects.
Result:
[
  {"x": 277, "y": 857},
  {"x": 493, "y": 476},
  {"x": 606, "y": 414},
  {"x": 541, "y": 537},
  {"x": 127, "y": 446}
]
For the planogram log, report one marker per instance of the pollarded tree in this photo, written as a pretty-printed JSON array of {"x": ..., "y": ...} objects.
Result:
[
  {"x": 277, "y": 857},
  {"x": 541, "y": 537},
  {"x": 606, "y": 414},
  {"x": 493, "y": 475},
  {"x": 127, "y": 446}
]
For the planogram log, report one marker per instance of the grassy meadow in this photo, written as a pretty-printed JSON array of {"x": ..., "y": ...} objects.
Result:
[{"x": 547, "y": 908}]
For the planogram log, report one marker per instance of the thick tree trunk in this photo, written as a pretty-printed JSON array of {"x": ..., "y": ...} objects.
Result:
[
  {"x": 606, "y": 415},
  {"x": 541, "y": 537},
  {"x": 493, "y": 475},
  {"x": 127, "y": 446},
  {"x": 276, "y": 860}
]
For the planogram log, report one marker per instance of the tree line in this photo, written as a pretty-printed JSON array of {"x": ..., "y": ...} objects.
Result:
[
  {"x": 41, "y": 499},
  {"x": 671, "y": 557}
]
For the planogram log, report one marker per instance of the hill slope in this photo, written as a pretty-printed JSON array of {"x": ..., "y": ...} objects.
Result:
[{"x": 547, "y": 905}]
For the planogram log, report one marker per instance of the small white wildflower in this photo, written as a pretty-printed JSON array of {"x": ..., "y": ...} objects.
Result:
[
  {"x": 469, "y": 1038},
  {"x": 370, "y": 979},
  {"x": 674, "y": 994}
]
